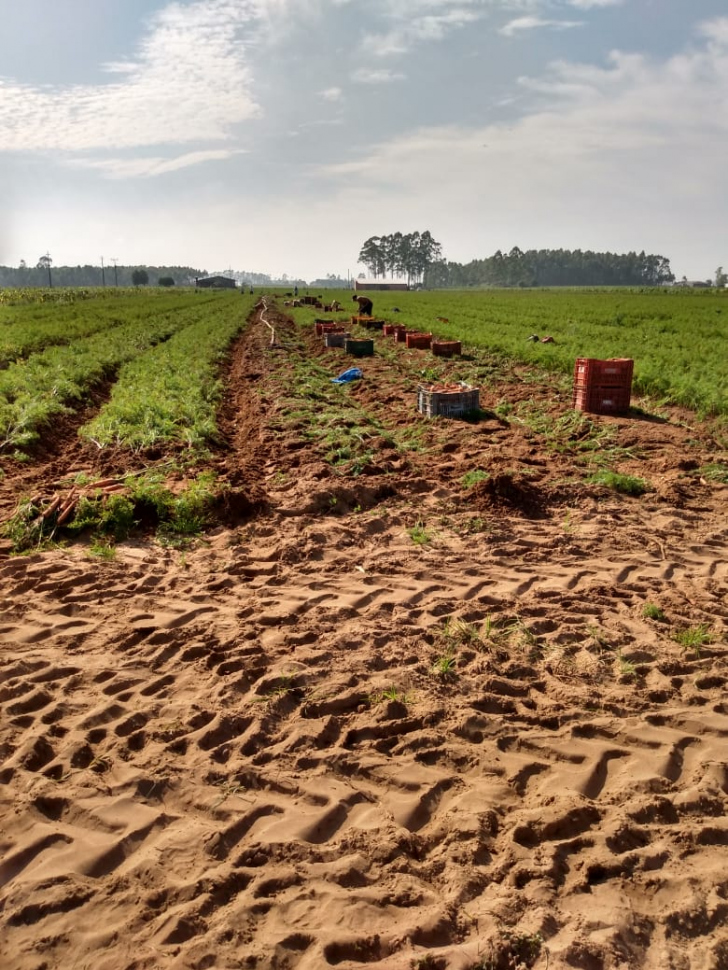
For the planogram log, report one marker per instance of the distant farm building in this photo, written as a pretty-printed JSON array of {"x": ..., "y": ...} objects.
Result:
[
  {"x": 381, "y": 285},
  {"x": 216, "y": 283},
  {"x": 330, "y": 283}
]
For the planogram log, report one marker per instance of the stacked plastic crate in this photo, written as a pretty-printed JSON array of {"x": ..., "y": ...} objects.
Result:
[{"x": 602, "y": 386}]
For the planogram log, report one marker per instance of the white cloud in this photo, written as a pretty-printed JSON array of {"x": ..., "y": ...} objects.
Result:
[
  {"x": 588, "y": 4},
  {"x": 123, "y": 168},
  {"x": 520, "y": 24},
  {"x": 188, "y": 82},
  {"x": 715, "y": 30},
  {"x": 332, "y": 94},
  {"x": 417, "y": 21},
  {"x": 416, "y": 29},
  {"x": 367, "y": 75}
]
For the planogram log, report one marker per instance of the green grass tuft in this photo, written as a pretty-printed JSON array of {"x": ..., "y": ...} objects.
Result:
[
  {"x": 694, "y": 637},
  {"x": 419, "y": 534},
  {"x": 473, "y": 477},
  {"x": 714, "y": 472},
  {"x": 625, "y": 484},
  {"x": 444, "y": 665}
]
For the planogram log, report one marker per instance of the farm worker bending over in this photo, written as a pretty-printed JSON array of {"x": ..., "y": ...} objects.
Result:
[{"x": 365, "y": 305}]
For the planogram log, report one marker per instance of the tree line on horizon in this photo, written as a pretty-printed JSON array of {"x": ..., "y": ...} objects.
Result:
[
  {"x": 418, "y": 257},
  {"x": 552, "y": 267},
  {"x": 21, "y": 276},
  {"x": 402, "y": 254},
  {"x": 72, "y": 276}
]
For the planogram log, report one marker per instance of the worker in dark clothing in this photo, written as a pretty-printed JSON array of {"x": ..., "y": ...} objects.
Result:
[{"x": 365, "y": 305}]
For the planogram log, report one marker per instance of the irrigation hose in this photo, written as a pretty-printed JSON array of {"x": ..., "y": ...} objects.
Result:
[{"x": 262, "y": 317}]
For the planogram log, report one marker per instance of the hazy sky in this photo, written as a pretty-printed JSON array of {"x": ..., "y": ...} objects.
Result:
[{"x": 277, "y": 135}]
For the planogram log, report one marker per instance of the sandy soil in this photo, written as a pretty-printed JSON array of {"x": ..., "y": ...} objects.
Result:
[{"x": 253, "y": 754}]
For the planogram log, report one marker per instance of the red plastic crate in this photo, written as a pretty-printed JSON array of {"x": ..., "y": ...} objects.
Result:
[
  {"x": 332, "y": 327},
  {"x": 601, "y": 400},
  {"x": 418, "y": 341},
  {"x": 617, "y": 372},
  {"x": 447, "y": 348}
]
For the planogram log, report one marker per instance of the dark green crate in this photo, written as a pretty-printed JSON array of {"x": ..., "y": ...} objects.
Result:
[{"x": 359, "y": 348}]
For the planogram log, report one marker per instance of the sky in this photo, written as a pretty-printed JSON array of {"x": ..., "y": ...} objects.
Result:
[{"x": 276, "y": 136}]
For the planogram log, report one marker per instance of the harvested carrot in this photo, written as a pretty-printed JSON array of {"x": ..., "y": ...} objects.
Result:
[
  {"x": 65, "y": 512},
  {"x": 446, "y": 388},
  {"x": 70, "y": 499},
  {"x": 51, "y": 508}
]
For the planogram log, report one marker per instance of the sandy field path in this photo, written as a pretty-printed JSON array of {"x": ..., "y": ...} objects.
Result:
[{"x": 310, "y": 741}]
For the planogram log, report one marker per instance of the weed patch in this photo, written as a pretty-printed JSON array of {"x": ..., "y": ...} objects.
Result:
[
  {"x": 419, "y": 534},
  {"x": 389, "y": 694},
  {"x": 512, "y": 951},
  {"x": 444, "y": 665},
  {"x": 473, "y": 477},
  {"x": 625, "y": 484},
  {"x": 460, "y": 632},
  {"x": 694, "y": 638},
  {"x": 714, "y": 472}
]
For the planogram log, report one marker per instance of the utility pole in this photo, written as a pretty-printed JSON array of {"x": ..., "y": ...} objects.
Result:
[
  {"x": 114, "y": 260},
  {"x": 103, "y": 275}
]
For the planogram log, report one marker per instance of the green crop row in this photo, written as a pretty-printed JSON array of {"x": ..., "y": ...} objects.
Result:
[
  {"x": 67, "y": 296},
  {"x": 170, "y": 393},
  {"x": 33, "y": 327},
  {"x": 676, "y": 338},
  {"x": 32, "y": 391}
]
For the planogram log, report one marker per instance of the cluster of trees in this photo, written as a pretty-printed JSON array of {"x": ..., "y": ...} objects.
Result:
[
  {"x": 44, "y": 273},
  {"x": 401, "y": 254},
  {"x": 552, "y": 267},
  {"x": 140, "y": 277}
]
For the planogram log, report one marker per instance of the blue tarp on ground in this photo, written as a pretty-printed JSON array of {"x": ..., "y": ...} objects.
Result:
[{"x": 353, "y": 374}]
